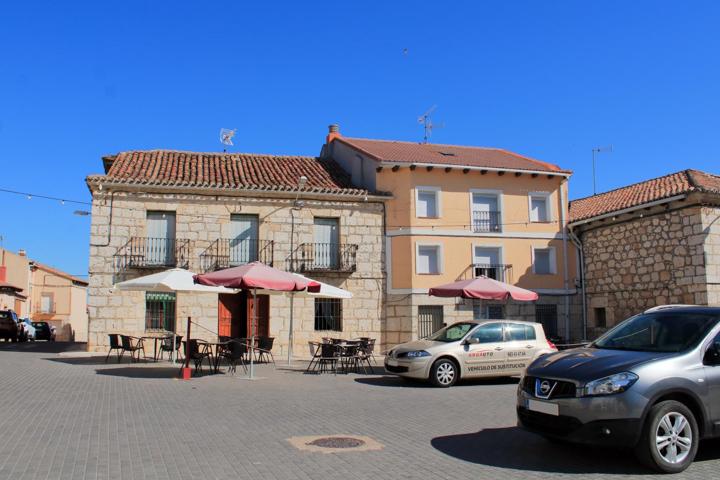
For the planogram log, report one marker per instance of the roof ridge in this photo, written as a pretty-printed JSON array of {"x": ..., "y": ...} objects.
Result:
[
  {"x": 218, "y": 154},
  {"x": 693, "y": 181},
  {"x": 419, "y": 143},
  {"x": 635, "y": 184}
]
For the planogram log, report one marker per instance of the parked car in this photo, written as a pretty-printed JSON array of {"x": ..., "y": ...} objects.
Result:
[
  {"x": 29, "y": 331},
  {"x": 43, "y": 331},
  {"x": 9, "y": 329},
  {"x": 489, "y": 348},
  {"x": 652, "y": 383}
]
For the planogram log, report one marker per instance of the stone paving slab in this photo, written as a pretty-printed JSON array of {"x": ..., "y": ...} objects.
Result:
[{"x": 75, "y": 417}]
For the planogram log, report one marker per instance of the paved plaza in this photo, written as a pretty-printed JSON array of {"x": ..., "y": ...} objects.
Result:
[{"x": 64, "y": 415}]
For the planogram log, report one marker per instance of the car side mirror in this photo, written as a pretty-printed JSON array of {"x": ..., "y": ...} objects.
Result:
[
  {"x": 471, "y": 340},
  {"x": 712, "y": 355}
]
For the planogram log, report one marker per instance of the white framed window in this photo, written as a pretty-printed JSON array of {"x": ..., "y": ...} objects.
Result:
[
  {"x": 487, "y": 261},
  {"x": 543, "y": 261},
  {"x": 428, "y": 259},
  {"x": 484, "y": 311},
  {"x": 486, "y": 210},
  {"x": 427, "y": 202},
  {"x": 539, "y": 204},
  {"x": 46, "y": 303}
]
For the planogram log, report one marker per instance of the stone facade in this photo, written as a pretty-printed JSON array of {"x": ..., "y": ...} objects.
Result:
[
  {"x": 202, "y": 219},
  {"x": 666, "y": 256}
]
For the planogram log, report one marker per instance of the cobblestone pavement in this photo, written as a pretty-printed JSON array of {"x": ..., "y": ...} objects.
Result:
[{"x": 68, "y": 416}]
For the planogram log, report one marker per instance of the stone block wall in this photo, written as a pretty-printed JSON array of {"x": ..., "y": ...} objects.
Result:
[
  {"x": 202, "y": 219},
  {"x": 711, "y": 230},
  {"x": 640, "y": 263}
]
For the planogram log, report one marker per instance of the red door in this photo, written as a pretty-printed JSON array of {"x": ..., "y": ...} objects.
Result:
[
  {"x": 263, "y": 315},
  {"x": 230, "y": 315}
]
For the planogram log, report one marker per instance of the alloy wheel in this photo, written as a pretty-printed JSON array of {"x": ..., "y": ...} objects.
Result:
[
  {"x": 445, "y": 373},
  {"x": 673, "y": 437}
]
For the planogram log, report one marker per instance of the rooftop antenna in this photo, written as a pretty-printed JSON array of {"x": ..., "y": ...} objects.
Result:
[
  {"x": 426, "y": 121},
  {"x": 226, "y": 136},
  {"x": 595, "y": 151}
]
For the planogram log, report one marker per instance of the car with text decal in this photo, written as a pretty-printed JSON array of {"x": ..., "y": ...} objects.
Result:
[{"x": 488, "y": 348}]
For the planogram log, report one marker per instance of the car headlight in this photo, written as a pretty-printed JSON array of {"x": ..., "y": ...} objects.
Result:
[
  {"x": 617, "y": 383},
  {"x": 416, "y": 354}
]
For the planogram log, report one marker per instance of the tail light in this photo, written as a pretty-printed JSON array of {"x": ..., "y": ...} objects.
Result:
[{"x": 551, "y": 345}]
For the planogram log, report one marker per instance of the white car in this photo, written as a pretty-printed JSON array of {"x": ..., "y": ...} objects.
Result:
[
  {"x": 488, "y": 348},
  {"x": 28, "y": 330}
]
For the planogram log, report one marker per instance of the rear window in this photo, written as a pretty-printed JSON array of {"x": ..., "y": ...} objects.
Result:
[
  {"x": 39, "y": 324},
  {"x": 4, "y": 315},
  {"x": 517, "y": 332}
]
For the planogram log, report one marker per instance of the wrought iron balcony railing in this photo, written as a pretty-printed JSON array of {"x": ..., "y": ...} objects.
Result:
[
  {"x": 146, "y": 252},
  {"x": 327, "y": 257},
  {"x": 225, "y": 253},
  {"x": 486, "y": 221},
  {"x": 501, "y": 272}
]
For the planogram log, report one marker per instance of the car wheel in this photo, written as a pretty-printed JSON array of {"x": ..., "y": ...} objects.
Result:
[
  {"x": 444, "y": 373},
  {"x": 670, "y": 437}
]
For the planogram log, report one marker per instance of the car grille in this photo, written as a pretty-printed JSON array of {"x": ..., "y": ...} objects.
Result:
[
  {"x": 542, "y": 422},
  {"x": 561, "y": 390},
  {"x": 398, "y": 369}
]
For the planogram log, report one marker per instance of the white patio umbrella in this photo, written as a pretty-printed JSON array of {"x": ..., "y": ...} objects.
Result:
[
  {"x": 173, "y": 280},
  {"x": 326, "y": 291}
]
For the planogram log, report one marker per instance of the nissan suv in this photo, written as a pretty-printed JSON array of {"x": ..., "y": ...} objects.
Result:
[{"x": 651, "y": 383}]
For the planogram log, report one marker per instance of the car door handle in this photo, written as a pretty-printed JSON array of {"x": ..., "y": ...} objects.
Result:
[
  {"x": 528, "y": 346},
  {"x": 497, "y": 349}
]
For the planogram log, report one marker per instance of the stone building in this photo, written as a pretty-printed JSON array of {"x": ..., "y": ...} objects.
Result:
[
  {"x": 652, "y": 243},
  {"x": 463, "y": 211},
  {"x": 154, "y": 210}
]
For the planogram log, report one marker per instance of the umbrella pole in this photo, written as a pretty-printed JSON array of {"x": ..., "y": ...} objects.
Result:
[
  {"x": 252, "y": 334},
  {"x": 290, "y": 333}
]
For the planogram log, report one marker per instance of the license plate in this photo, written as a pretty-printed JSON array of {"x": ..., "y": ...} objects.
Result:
[
  {"x": 392, "y": 362},
  {"x": 543, "y": 407}
]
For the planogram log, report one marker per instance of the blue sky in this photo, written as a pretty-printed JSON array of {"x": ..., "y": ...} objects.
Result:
[{"x": 547, "y": 79}]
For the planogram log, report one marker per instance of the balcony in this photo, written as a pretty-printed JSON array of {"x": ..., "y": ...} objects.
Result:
[
  {"x": 145, "y": 252},
  {"x": 324, "y": 257},
  {"x": 226, "y": 253},
  {"x": 501, "y": 272},
  {"x": 483, "y": 221}
]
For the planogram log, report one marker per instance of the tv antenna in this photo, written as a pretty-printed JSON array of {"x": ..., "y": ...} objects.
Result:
[
  {"x": 226, "y": 136},
  {"x": 595, "y": 151},
  {"x": 426, "y": 121}
]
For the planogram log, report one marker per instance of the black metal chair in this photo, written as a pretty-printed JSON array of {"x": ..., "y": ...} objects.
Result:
[
  {"x": 328, "y": 360},
  {"x": 264, "y": 349},
  {"x": 114, "y": 345},
  {"x": 349, "y": 358},
  {"x": 133, "y": 345},
  {"x": 234, "y": 353},
  {"x": 365, "y": 353},
  {"x": 197, "y": 354},
  {"x": 167, "y": 346}
]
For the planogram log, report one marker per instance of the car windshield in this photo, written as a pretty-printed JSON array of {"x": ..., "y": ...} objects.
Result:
[
  {"x": 453, "y": 333},
  {"x": 39, "y": 324},
  {"x": 4, "y": 315},
  {"x": 658, "y": 332}
]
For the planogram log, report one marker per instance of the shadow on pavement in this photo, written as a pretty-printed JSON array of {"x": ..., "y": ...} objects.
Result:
[
  {"x": 140, "y": 372},
  {"x": 395, "y": 381},
  {"x": 99, "y": 360},
  {"x": 42, "y": 346},
  {"x": 511, "y": 447}
]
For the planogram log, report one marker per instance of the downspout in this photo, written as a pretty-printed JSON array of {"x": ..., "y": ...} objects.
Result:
[
  {"x": 576, "y": 241},
  {"x": 566, "y": 284}
]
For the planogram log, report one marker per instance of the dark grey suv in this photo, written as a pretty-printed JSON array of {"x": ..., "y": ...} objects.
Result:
[{"x": 651, "y": 383}]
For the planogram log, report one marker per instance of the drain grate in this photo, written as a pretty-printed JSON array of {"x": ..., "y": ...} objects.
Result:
[{"x": 337, "y": 442}]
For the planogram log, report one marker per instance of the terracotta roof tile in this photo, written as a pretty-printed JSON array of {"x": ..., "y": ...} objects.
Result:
[
  {"x": 60, "y": 273},
  {"x": 678, "y": 183},
  {"x": 226, "y": 171},
  {"x": 430, "y": 153}
]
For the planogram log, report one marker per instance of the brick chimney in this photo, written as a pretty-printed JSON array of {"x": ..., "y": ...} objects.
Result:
[{"x": 333, "y": 133}]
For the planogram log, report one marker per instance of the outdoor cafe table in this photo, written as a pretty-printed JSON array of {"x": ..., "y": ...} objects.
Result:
[
  {"x": 214, "y": 353},
  {"x": 155, "y": 340}
]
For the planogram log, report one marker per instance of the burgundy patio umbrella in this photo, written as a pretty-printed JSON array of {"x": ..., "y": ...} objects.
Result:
[
  {"x": 483, "y": 288},
  {"x": 254, "y": 276}
]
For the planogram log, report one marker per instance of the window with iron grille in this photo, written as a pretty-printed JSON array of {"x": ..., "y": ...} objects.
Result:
[
  {"x": 483, "y": 311},
  {"x": 160, "y": 311},
  {"x": 547, "y": 315},
  {"x": 328, "y": 314}
]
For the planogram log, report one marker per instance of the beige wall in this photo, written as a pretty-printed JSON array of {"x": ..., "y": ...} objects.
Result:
[
  {"x": 18, "y": 274},
  {"x": 69, "y": 306},
  {"x": 202, "y": 220}
]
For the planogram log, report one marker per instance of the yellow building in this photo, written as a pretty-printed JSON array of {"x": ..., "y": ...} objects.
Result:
[{"x": 458, "y": 212}]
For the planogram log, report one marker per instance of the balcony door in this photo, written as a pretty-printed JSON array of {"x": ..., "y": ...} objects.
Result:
[
  {"x": 486, "y": 261},
  {"x": 243, "y": 239},
  {"x": 485, "y": 213},
  {"x": 160, "y": 241},
  {"x": 327, "y": 240}
]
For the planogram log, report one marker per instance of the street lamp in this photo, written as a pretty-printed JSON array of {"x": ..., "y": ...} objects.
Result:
[{"x": 297, "y": 205}]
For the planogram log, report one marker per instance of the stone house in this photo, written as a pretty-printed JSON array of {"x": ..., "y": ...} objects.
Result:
[
  {"x": 153, "y": 210},
  {"x": 652, "y": 243}
]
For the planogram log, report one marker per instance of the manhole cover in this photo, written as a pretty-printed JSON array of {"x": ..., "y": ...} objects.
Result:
[{"x": 337, "y": 442}]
